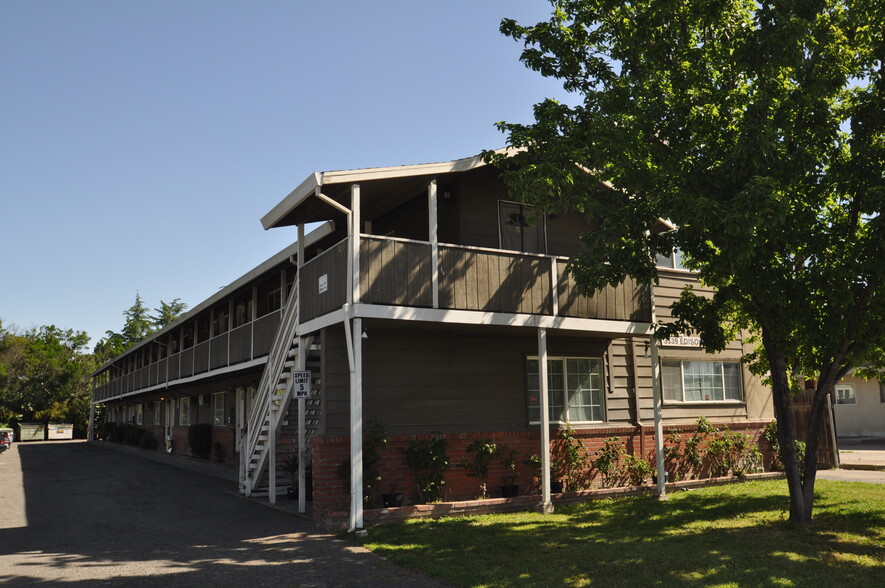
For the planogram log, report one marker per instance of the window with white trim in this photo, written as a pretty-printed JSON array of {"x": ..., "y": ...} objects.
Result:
[
  {"x": 184, "y": 411},
  {"x": 515, "y": 232},
  {"x": 701, "y": 381},
  {"x": 218, "y": 409},
  {"x": 845, "y": 394},
  {"x": 139, "y": 414},
  {"x": 672, "y": 261},
  {"x": 574, "y": 387}
]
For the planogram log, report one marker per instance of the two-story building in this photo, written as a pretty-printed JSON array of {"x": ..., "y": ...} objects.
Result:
[{"x": 426, "y": 299}]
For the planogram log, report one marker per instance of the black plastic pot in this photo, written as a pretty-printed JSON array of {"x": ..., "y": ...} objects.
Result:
[
  {"x": 393, "y": 499},
  {"x": 555, "y": 486},
  {"x": 510, "y": 490}
]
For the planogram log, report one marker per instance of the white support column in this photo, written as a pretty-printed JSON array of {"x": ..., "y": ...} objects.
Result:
[
  {"x": 546, "y": 505},
  {"x": 271, "y": 452},
  {"x": 554, "y": 285},
  {"x": 355, "y": 243},
  {"x": 434, "y": 241},
  {"x": 658, "y": 401},
  {"x": 302, "y": 403},
  {"x": 356, "y": 428}
]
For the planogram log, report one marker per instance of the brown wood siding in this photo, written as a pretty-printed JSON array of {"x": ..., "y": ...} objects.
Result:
[
  {"x": 419, "y": 381},
  {"x": 332, "y": 264},
  {"x": 494, "y": 282},
  {"x": 395, "y": 272},
  {"x": 241, "y": 344},
  {"x": 627, "y": 302},
  {"x": 218, "y": 350},
  {"x": 265, "y": 330},
  {"x": 201, "y": 357}
]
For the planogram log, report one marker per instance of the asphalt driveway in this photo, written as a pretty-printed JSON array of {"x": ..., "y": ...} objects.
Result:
[{"x": 84, "y": 515}]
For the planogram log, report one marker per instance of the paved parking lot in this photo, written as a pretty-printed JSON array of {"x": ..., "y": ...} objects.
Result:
[{"x": 81, "y": 514}]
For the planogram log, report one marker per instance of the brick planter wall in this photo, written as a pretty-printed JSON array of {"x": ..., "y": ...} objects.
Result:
[{"x": 331, "y": 494}]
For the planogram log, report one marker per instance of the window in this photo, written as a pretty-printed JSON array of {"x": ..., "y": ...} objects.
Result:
[
  {"x": 845, "y": 394},
  {"x": 158, "y": 406},
  {"x": 575, "y": 389},
  {"x": 218, "y": 408},
  {"x": 516, "y": 233},
  {"x": 882, "y": 392},
  {"x": 672, "y": 261},
  {"x": 701, "y": 381},
  {"x": 139, "y": 414},
  {"x": 184, "y": 411}
]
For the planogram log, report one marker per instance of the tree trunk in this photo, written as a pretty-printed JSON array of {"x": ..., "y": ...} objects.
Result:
[
  {"x": 786, "y": 430},
  {"x": 825, "y": 384}
]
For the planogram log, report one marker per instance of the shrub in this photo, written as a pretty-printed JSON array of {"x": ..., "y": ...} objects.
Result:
[
  {"x": 429, "y": 463},
  {"x": 148, "y": 440},
  {"x": 770, "y": 437},
  {"x": 483, "y": 450},
  {"x": 569, "y": 459},
  {"x": 199, "y": 437},
  {"x": 608, "y": 462},
  {"x": 636, "y": 469}
]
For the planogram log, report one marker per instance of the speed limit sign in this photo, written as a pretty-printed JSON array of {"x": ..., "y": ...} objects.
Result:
[{"x": 301, "y": 384}]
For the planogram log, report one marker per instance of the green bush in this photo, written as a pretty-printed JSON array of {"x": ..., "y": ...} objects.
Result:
[
  {"x": 148, "y": 440},
  {"x": 199, "y": 437},
  {"x": 608, "y": 462},
  {"x": 636, "y": 469},
  {"x": 429, "y": 463}
]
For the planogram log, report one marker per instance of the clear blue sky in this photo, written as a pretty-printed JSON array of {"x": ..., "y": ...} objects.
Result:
[{"x": 141, "y": 142}]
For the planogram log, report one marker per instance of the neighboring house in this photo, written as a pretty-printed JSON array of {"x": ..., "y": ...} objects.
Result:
[
  {"x": 431, "y": 316},
  {"x": 860, "y": 407}
]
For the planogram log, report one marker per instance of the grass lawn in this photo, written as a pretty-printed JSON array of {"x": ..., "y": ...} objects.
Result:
[{"x": 732, "y": 535}]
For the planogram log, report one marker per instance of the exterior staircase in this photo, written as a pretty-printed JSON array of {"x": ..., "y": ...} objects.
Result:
[{"x": 272, "y": 422}]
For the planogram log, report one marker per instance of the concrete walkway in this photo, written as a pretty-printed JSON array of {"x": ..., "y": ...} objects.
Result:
[{"x": 863, "y": 460}]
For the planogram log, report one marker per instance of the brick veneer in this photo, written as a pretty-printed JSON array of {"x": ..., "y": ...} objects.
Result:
[{"x": 332, "y": 494}]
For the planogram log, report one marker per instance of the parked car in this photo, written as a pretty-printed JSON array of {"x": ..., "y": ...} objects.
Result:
[{"x": 4, "y": 441}]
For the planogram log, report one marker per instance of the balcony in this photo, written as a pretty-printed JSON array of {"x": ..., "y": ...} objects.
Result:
[
  {"x": 399, "y": 272},
  {"x": 240, "y": 345}
]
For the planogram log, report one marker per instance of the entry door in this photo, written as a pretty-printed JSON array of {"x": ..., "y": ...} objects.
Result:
[{"x": 170, "y": 415}]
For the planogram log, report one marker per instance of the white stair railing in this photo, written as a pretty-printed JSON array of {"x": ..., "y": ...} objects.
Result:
[{"x": 271, "y": 399}]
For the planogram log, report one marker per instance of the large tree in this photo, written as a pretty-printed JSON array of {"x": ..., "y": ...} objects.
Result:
[
  {"x": 758, "y": 130},
  {"x": 139, "y": 324},
  {"x": 43, "y": 376}
]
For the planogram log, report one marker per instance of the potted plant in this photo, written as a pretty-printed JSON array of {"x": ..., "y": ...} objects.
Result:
[
  {"x": 392, "y": 499},
  {"x": 508, "y": 459},
  {"x": 534, "y": 462},
  {"x": 483, "y": 450}
]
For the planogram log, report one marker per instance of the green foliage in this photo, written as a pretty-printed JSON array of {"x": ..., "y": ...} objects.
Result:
[
  {"x": 429, "y": 463},
  {"x": 727, "y": 452},
  {"x": 199, "y": 438},
  {"x": 637, "y": 469},
  {"x": 608, "y": 462},
  {"x": 770, "y": 437},
  {"x": 756, "y": 129},
  {"x": 374, "y": 439},
  {"x": 508, "y": 462},
  {"x": 483, "y": 451},
  {"x": 289, "y": 465},
  {"x": 139, "y": 324},
  {"x": 568, "y": 459},
  {"x": 43, "y": 376}
]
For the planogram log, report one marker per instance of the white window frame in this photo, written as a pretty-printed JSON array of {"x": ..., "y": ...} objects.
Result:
[
  {"x": 672, "y": 261},
  {"x": 218, "y": 399},
  {"x": 542, "y": 226},
  {"x": 184, "y": 411},
  {"x": 668, "y": 392},
  {"x": 851, "y": 394},
  {"x": 564, "y": 400}
]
